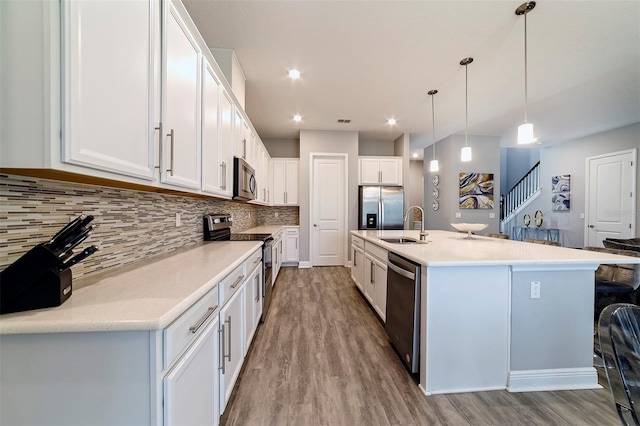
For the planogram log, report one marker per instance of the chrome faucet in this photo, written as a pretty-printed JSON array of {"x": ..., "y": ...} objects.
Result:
[{"x": 423, "y": 233}]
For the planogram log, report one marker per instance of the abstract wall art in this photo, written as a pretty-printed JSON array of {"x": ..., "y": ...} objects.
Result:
[
  {"x": 561, "y": 202},
  {"x": 476, "y": 190},
  {"x": 561, "y": 183}
]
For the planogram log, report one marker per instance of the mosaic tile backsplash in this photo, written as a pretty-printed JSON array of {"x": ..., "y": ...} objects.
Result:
[{"x": 129, "y": 225}]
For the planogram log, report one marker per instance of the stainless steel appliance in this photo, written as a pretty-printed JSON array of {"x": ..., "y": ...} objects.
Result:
[
  {"x": 217, "y": 227},
  {"x": 244, "y": 180},
  {"x": 403, "y": 309},
  {"x": 380, "y": 207}
]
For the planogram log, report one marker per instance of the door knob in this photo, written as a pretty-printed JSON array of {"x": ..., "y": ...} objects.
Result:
[
  {"x": 315, "y": 225},
  {"x": 591, "y": 226}
]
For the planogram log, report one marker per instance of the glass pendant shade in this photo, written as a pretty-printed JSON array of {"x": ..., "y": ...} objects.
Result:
[
  {"x": 525, "y": 134},
  {"x": 465, "y": 154},
  {"x": 434, "y": 166}
]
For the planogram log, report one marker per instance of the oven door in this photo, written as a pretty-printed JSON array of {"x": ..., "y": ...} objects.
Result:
[{"x": 244, "y": 180}]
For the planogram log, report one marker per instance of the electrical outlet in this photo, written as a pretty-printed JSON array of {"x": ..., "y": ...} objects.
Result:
[
  {"x": 492, "y": 215},
  {"x": 581, "y": 215},
  {"x": 535, "y": 289},
  {"x": 458, "y": 215},
  {"x": 275, "y": 214},
  {"x": 178, "y": 219}
]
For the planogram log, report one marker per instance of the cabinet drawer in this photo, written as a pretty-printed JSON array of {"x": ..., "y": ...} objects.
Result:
[
  {"x": 291, "y": 231},
  {"x": 231, "y": 283},
  {"x": 184, "y": 330},
  {"x": 357, "y": 241},
  {"x": 253, "y": 261},
  {"x": 376, "y": 251}
]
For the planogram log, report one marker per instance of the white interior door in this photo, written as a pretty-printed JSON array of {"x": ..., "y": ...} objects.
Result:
[
  {"x": 610, "y": 197},
  {"x": 328, "y": 233}
]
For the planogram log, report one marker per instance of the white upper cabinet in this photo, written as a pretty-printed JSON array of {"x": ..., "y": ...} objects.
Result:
[
  {"x": 108, "y": 86},
  {"x": 285, "y": 181},
  {"x": 226, "y": 141},
  {"x": 213, "y": 174},
  {"x": 380, "y": 171},
  {"x": 181, "y": 103},
  {"x": 241, "y": 137}
]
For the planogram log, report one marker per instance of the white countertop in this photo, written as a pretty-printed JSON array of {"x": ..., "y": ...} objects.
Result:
[
  {"x": 451, "y": 249},
  {"x": 266, "y": 229},
  {"x": 145, "y": 297}
]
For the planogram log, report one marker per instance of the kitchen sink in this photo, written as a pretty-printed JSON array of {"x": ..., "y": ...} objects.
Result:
[{"x": 399, "y": 240}]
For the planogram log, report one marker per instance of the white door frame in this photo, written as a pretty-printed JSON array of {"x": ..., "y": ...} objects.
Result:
[
  {"x": 345, "y": 158},
  {"x": 587, "y": 189}
]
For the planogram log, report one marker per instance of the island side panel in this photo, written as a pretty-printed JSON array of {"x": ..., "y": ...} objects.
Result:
[
  {"x": 552, "y": 336},
  {"x": 467, "y": 329},
  {"x": 76, "y": 378}
]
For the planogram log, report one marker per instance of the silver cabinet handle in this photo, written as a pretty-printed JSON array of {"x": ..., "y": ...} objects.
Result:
[
  {"x": 170, "y": 169},
  {"x": 159, "y": 129},
  {"x": 355, "y": 259},
  {"x": 225, "y": 175},
  {"x": 257, "y": 288},
  {"x": 194, "y": 328},
  {"x": 255, "y": 262},
  {"x": 238, "y": 281},
  {"x": 285, "y": 197},
  {"x": 244, "y": 148},
  {"x": 373, "y": 274},
  {"x": 228, "y": 321},
  {"x": 221, "y": 348},
  {"x": 222, "y": 175}
]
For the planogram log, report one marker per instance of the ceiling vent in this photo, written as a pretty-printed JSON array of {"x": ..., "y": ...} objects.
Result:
[{"x": 344, "y": 120}]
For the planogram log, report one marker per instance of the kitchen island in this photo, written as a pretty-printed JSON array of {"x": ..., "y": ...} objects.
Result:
[{"x": 480, "y": 327}]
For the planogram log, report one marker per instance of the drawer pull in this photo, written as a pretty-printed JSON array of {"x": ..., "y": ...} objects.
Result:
[
  {"x": 238, "y": 281},
  {"x": 255, "y": 262},
  {"x": 194, "y": 328}
]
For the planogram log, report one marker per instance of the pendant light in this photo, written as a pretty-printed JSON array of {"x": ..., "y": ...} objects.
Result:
[
  {"x": 465, "y": 154},
  {"x": 525, "y": 130},
  {"x": 433, "y": 166}
]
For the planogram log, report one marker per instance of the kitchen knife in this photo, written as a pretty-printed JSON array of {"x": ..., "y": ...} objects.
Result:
[
  {"x": 64, "y": 232},
  {"x": 73, "y": 236},
  {"x": 78, "y": 257},
  {"x": 74, "y": 240}
]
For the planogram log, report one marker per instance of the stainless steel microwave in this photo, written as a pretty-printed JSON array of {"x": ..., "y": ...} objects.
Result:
[{"x": 244, "y": 180}]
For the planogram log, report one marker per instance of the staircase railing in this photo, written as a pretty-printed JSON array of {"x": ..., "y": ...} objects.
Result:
[{"x": 528, "y": 185}]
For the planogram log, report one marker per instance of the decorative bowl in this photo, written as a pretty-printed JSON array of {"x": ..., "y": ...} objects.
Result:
[{"x": 469, "y": 228}]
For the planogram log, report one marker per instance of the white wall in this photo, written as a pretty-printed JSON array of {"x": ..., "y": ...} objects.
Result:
[
  {"x": 486, "y": 159},
  {"x": 569, "y": 158},
  {"x": 515, "y": 163},
  {"x": 318, "y": 141},
  {"x": 375, "y": 147},
  {"x": 282, "y": 148}
]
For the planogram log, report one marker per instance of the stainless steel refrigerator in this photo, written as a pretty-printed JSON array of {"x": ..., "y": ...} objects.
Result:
[{"x": 380, "y": 207}]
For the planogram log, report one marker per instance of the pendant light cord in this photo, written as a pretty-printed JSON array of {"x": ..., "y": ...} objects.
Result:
[
  {"x": 466, "y": 102},
  {"x": 433, "y": 127},
  {"x": 526, "y": 100}
]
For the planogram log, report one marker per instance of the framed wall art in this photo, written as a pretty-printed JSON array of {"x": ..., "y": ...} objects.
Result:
[
  {"x": 561, "y": 202},
  {"x": 561, "y": 183},
  {"x": 476, "y": 190}
]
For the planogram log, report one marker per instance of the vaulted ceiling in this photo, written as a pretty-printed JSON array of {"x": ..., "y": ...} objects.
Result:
[{"x": 369, "y": 61}]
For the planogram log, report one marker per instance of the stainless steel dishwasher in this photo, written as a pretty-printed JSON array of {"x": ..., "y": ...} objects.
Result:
[{"x": 403, "y": 309}]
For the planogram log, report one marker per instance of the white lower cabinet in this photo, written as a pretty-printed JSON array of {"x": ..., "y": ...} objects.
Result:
[
  {"x": 191, "y": 387},
  {"x": 232, "y": 345},
  {"x": 357, "y": 270},
  {"x": 369, "y": 273},
  {"x": 252, "y": 305},
  {"x": 290, "y": 245}
]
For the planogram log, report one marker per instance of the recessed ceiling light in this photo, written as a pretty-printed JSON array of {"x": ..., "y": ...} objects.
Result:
[
  {"x": 297, "y": 117},
  {"x": 391, "y": 121},
  {"x": 294, "y": 73}
]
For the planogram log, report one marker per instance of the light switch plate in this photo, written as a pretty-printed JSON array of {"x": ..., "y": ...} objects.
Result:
[
  {"x": 458, "y": 215},
  {"x": 492, "y": 215},
  {"x": 535, "y": 289}
]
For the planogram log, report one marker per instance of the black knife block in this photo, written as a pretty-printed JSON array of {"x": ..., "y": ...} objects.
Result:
[{"x": 34, "y": 282}]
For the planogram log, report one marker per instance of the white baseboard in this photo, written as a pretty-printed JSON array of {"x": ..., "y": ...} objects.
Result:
[
  {"x": 304, "y": 264},
  {"x": 553, "y": 379},
  {"x": 349, "y": 264}
]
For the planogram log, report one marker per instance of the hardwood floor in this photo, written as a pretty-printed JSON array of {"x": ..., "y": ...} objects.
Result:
[{"x": 322, "y": 358}]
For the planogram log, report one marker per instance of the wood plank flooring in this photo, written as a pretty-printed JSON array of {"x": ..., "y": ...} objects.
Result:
[{"x": 322, "y": 358}]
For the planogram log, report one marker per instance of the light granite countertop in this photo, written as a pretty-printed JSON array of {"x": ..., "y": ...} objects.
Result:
[
  {"x": 266, "y": 229},
  {"x": 446, "y": 248},
  {"x": 145, "y": 296}
]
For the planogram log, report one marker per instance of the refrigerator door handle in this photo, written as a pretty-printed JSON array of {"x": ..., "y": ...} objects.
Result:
[{"x": 381, "y": 207}]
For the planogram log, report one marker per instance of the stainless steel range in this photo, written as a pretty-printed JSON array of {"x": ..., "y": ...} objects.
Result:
[{"x": 217, "y": 227}]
